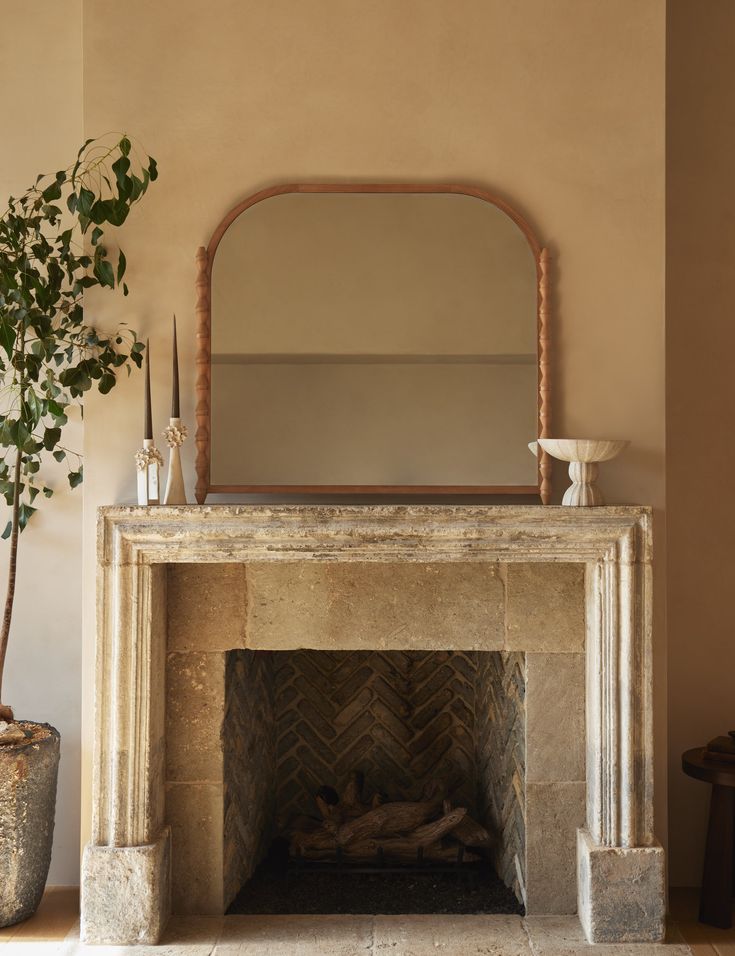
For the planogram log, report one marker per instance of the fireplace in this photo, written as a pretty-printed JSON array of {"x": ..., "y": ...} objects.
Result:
[{"x": 249, "y": 656}]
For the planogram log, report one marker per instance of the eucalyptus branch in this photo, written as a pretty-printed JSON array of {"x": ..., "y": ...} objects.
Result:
[{"x": 49, "y": 355}]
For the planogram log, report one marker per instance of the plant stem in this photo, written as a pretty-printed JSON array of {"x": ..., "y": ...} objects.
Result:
[
  {"x": 7, "y": 616},
  {"x": 5, "y": 712}
]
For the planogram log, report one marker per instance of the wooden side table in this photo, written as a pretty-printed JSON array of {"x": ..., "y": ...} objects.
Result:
[{"x": 715, "y": 901}]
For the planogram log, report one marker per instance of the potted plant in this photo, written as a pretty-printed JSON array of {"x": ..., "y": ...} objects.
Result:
[{"x": 52, "y": 249}]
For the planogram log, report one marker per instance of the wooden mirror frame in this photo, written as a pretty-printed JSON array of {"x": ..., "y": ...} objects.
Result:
[{"x": 205, "y": 259}]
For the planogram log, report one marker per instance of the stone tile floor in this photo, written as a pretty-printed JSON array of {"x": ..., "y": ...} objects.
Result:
[{"x": 54, "y": 932}]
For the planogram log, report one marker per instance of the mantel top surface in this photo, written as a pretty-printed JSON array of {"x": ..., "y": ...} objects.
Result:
[
  {"x": 382, "y": 511},
  {"x": 236, "y": 532}
]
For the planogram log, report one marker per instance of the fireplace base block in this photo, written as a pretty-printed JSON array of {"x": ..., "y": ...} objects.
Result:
[
  {"x": 126, "y": 893},
  {"x": 622, "y": 896}
]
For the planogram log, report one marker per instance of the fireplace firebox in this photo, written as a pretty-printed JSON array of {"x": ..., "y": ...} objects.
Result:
[{"x": 357, "y": 762}]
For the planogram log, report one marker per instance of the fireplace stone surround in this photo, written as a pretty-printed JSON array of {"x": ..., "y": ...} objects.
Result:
[{"x": 126, "y": 882}]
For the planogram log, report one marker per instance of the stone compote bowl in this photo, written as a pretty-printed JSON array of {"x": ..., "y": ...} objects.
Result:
[{"x": 583, "y": 455}]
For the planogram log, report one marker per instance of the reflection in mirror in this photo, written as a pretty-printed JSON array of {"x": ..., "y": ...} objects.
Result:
[{"x": 375, "y": 339}]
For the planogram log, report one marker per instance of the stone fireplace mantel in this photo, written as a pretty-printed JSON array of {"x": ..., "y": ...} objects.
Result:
[{"x": 620, "y": 866}]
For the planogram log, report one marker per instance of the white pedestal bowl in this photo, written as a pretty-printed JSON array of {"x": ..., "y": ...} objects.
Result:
[{"x": 584, "y": 456}]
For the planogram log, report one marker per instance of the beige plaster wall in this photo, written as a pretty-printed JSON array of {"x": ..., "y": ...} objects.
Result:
[
  {"x": 700, "y": 340},
  {"x": 559, "y": 106},
  {"x": 43, "y": 675}
]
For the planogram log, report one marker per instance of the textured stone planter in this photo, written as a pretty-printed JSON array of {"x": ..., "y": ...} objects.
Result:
[{"x": 28, "y": 773}]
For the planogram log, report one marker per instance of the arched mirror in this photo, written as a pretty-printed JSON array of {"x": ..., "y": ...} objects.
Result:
[{"x": 372, "y": 339}]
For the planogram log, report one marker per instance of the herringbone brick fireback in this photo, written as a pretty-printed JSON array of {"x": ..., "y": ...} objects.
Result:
[
  {"x": 302, "y": 719},
  {"x": 402, "y": 718}
]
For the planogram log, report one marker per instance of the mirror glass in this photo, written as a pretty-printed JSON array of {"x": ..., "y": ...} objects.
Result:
[{"x": 373, "y": 340}]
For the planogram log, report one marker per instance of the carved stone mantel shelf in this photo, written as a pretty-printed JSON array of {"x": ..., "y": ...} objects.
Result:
[{"x": 125, "y": 882}]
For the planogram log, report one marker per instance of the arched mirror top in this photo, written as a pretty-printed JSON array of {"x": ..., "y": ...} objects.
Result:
[
  {"x": 372, "y": 338},
  {"x": 447, "y": 189}
]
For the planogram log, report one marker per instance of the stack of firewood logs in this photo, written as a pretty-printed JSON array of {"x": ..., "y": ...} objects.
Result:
[{"x": 427, "y": 830}]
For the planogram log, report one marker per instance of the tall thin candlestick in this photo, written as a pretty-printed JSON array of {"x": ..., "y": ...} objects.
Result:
[
  {"x": 148, "y": 409},
  {"x": 175, "y": 412},
  {"x": 175, "y": 435},
  {"x": 148, "y": 459}
]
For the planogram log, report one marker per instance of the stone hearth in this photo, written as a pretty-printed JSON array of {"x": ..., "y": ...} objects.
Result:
[{"x": 193, "y": 593}]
